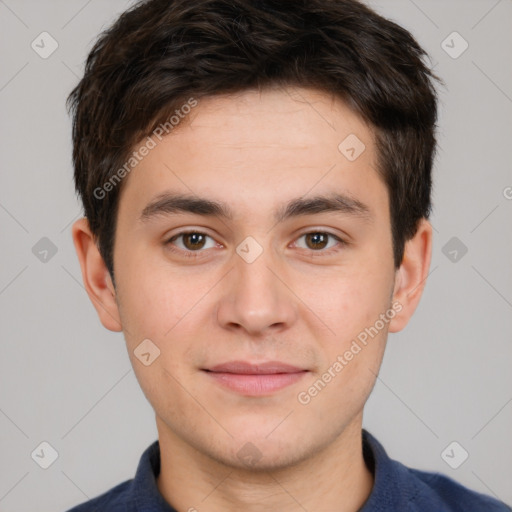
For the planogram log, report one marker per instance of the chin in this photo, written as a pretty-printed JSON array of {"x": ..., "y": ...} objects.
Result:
[{"x": 258, "y": 453}]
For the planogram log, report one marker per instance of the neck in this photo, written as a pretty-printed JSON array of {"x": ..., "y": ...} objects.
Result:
[{"x": 335, "y": 478}]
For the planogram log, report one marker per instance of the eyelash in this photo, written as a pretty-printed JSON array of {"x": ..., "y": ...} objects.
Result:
[{"x": 196, "y": 254}]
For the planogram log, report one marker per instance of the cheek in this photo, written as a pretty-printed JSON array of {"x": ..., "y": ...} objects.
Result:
[
  {"x": 154, "y": 299},
  {"x": 162, "y": 386},
  {"x": 349, "y": 300}
]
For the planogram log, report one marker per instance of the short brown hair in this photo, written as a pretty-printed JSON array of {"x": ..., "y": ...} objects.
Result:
[{"x": 160, "y": 53}]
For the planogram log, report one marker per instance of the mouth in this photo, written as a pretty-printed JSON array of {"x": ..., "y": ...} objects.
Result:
[{"x": 260, "y": 379}]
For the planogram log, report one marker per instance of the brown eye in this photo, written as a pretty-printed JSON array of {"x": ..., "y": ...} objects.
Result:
[
  {"x": 193, "y": 241},
  {"x": 320, "y": 241},
  {"x": 316, "y": 240}
]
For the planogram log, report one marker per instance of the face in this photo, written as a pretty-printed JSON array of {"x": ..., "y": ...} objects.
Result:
[{"x": 289, "y": 267}]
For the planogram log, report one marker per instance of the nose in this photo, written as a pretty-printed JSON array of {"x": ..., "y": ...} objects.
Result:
[{"x": 256, "y": 298}]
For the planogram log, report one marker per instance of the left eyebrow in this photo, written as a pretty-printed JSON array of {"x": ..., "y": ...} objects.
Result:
[
  {"x": 325, "y": 204},
  {"x": 183, "y": 203}
]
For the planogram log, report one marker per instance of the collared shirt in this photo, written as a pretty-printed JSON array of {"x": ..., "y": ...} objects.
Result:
[{"x": 396, "y": 488}]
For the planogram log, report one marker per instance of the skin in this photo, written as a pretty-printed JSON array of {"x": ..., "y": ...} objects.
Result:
[{"x": 296, "y": 303}]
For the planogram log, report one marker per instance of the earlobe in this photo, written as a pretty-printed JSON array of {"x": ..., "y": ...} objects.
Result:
[
  {"x": 410, "y": 278},
  {"x": 95, "y": 275}
]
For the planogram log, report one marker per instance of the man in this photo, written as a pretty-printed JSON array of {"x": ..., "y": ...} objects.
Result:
[{"x": 256, "y": 181}]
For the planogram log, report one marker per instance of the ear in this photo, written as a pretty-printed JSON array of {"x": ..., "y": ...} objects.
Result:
[
  {"x": 97, "y": 281},
  {"x": 410, "y": 278}
]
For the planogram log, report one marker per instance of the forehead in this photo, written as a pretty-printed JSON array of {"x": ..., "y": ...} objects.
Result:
[
  {"x": 258, "y": 149},
  {"x": 292, "y": 119}
]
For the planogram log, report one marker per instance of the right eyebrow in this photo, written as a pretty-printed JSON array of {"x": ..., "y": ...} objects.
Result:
[{"x": 176, "y": 203}]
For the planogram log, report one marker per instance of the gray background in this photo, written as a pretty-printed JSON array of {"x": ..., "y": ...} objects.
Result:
[{"x": 67, "y": 381}]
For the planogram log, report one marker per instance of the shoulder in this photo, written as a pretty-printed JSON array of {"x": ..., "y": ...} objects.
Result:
[
  {"x": 138, "y": 493},
  {"x": 451, "y": 495},
  {"x": 400, "y": 488},
  {"x": 114, "y": 500}
]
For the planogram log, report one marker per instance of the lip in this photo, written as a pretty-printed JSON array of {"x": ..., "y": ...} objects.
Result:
[
  {"x": 256, "y": 379},
  {"x": 246, "y": 368}
]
